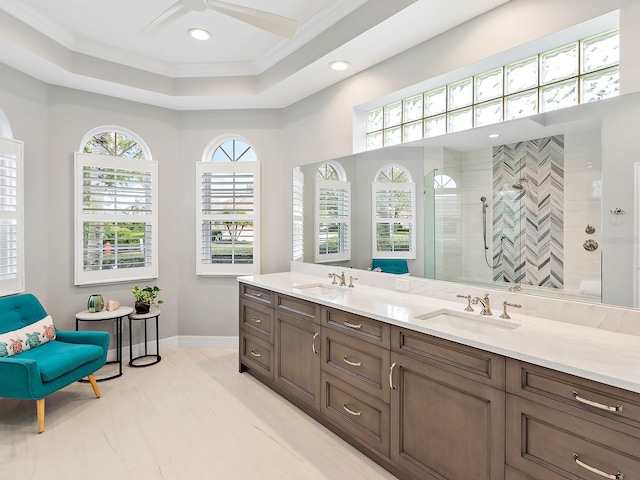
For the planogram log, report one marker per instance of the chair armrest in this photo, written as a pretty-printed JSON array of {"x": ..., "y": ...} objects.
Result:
[
  {"x": 86, "y": 336},
  {"x": 20, "y": 377}
]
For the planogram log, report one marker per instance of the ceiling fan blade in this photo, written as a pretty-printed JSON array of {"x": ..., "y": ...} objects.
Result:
[
  {"x": 172, "y": 13},
  {"x": 270, "y": 22}
]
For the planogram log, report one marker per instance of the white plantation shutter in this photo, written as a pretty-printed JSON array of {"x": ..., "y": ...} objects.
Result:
[
  {"x": 298, "y": 215},
  {"x": 116, "y": 219},
  {"x": 333, "y": 221},
  {"x": 394, "y": 221},
  {"x": 11, "y": 217},
  {"x": 227, "y": 218}
]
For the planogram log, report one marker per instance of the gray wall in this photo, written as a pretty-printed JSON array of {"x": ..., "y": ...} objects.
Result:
[{"x": 52, "y": 120}]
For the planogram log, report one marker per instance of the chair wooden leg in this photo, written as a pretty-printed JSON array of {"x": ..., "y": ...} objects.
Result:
[
  {"x": 94, "y": 385},
  {"x": 40, "y": 410}
]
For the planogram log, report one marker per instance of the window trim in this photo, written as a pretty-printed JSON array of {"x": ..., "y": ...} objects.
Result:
[
  {"x": 17, "y": 284},
  {"x": 375, "y": 220},
  {"x": 331, "y": 257},
  {"x": 121, "y": 274},
  {"x": 234, "y": 269}
]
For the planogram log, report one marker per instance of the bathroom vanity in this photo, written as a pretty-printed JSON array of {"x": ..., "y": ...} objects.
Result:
[{"x": 429, "y": 391}]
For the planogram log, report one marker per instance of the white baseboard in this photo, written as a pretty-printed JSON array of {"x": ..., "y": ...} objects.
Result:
[{"x": 180, "y": 341}]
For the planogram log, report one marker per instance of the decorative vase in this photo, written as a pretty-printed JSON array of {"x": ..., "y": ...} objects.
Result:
[
  {"x": 142, "y": 307},
  {"x": 95, "y": 303}
]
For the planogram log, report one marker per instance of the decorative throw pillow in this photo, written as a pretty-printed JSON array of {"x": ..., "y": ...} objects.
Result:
[{"x": 28, "y": 337}]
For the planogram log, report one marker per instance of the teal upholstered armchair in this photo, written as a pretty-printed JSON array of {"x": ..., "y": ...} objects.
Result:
[{"x": 37, "y": 359}]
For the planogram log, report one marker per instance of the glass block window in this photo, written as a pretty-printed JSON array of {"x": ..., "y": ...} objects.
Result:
[
  {"x": 579, "y": 72},
  {"x": 394, "y": 219}
]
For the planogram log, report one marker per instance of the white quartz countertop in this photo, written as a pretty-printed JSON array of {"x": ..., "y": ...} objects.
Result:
[{"x": 600, "y": 355}]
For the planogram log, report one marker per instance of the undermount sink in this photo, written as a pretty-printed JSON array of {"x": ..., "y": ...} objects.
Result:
[
  {"x": 322, "y": 290},
  {"x": 470, "y": 323}
]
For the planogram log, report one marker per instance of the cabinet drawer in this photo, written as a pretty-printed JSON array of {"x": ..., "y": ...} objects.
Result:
[
  {"x": 359, "y": 363},
  {"x": 543, "y": 442},
  {"x": 256, "y": 294},
  {"x": 541, "y": 384},
  {"x": 483, "y": 367},
  {"x": 298, "y": 307},
  {"x": 359, "y": 414},
  {"x": 363, "y": 328},
  {"x": 257, "y": 320},
  {"x": 256, "y": 354}
]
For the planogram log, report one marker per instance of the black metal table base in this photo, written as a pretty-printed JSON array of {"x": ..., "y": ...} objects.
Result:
[{"x": 156, "y": 355}]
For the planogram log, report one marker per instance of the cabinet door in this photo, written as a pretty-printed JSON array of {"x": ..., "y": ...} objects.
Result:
[
  {"x": 297, "y": 346},
  {"x": 444, "y": 426}
]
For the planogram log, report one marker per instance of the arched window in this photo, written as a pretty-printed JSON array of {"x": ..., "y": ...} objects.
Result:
[
  {"x": 116, "y": 236},
  {"x": 333, "y": 214},
  {"x": 228, "y": 210},
  {"x": 11, "y": 211},
  {"x": 447, "y": 210},
  {"x": 394, "y": 213}
]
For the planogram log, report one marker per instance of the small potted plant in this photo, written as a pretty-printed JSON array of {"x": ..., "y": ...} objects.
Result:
[{"x": 145, "y": 298}]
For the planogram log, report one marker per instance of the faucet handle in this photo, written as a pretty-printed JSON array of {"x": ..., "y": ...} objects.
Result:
[
  {"x": 468, "y": 308},
  {"x": 333, "y": 275},
  {"x": 351, "y": 279},
  {"x": 506, "y": 304}
]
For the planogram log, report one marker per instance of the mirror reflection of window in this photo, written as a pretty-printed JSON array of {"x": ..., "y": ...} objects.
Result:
[
  {"x": 394, "y": 220},
  {"x": 332, "y": 214}
]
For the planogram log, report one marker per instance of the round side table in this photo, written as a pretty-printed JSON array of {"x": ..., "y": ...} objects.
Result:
[
  {"x": 116, "y": 316},
  {"x": 153, "y": 313}
]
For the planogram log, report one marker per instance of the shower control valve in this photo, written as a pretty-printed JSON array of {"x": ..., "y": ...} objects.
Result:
[{"x": 468, "y": 308}]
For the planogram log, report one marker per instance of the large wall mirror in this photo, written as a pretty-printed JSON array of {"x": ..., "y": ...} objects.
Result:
[{"x": 549, "y": 205}]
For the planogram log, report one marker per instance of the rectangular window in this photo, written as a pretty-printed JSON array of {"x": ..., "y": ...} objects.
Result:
[
  {"x": 227, "y": 218},
  {"x": 116, "y": 219},
  {"x": 333, "y": 221},
  {"x": 11, "y": 217},
  {"x": 394, "y": 222}
]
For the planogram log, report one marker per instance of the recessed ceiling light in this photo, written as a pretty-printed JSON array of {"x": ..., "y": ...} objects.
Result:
[
  {"x": 493, "y": 135},
  {"x": 199, "y": 34},
  {"x": 339, "y": 65}
]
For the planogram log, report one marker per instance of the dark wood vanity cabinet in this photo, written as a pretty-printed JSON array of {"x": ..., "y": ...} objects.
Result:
[
  {"x": 427, "y": 408},
  {"x": 445, "y": 425},
  {"x": 560, "y": 427}
]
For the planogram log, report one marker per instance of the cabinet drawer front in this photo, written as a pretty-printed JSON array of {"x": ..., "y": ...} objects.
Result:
[
  {"x": 256, "y": 294},
  {"x": 363, "y": 328},
  {"x": 543, "y": 442},
  {"x": 362, "y": 364},
  {"x": 296, "y": 306},
  {"x": 359, "y": 414},
  {"x": 257, "y": 354},
  {"x": 539, "y": 384},
  {"x": 484, "y": 367},
  {"x": 257, "y": 320}
]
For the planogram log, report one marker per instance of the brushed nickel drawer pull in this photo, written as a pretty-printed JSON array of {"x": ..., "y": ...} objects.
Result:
[
  {"x": 353, "y": 364},
  {"x": 255, "y": 354},
  {"x": 393, "y": 365},
  {"x": 313, "y": 343},
  {"x": 256, "y": 320},
  {"x": 615, "y": 476},
  {"x": 357, "y": 326},
  {"x": 352, "y": 412},
  {"x": 256, "y": 294},
  {"x": 617, "y": 408}
]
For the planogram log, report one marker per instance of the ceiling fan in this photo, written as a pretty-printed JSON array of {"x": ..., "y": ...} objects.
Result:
[{"x": 270, "y": 22}]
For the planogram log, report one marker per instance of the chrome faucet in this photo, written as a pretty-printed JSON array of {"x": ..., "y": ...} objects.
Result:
[
  {"x": 486, "y": 307},
  {"x": 335, "y": 276}
]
